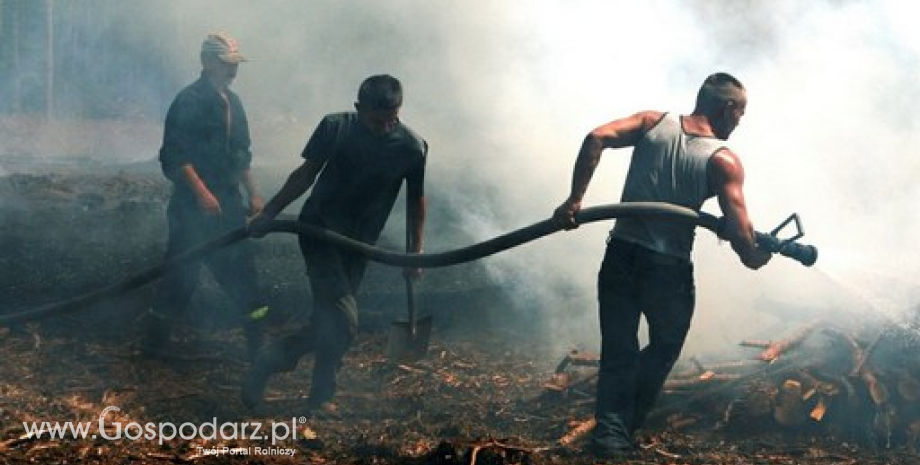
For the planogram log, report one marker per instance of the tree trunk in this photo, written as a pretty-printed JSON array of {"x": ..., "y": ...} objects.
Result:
[{"x": 49, "y": 62}]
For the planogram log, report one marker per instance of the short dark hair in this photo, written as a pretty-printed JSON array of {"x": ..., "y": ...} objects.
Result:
[
  {"x": 380, "y": 92},
  {"x": 718, "y": 90}
]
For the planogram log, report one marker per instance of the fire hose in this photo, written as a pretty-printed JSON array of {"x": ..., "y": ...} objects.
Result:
[{"x": 805, "y": 254}]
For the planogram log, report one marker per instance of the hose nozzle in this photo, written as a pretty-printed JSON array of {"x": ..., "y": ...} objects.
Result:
[{"x": 802, "y": 253}]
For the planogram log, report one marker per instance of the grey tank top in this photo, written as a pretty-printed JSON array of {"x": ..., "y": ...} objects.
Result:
[{"x": 667, "y": 165}]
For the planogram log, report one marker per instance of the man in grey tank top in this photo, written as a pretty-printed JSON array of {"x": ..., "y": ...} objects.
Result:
[{"x": 679, "y": 159}]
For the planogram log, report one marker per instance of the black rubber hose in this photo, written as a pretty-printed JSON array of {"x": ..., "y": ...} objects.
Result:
[
  {"x": 123, "y": 286},
  {"x": 503, "y": 242},
  {"x": 434, "y": 260}
]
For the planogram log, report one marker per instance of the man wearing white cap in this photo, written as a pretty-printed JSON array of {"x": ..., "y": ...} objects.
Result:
[{"x": 205, "y": 153}]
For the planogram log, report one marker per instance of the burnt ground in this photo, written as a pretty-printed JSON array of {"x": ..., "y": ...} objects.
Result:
[{"x": 479, "y": 397}]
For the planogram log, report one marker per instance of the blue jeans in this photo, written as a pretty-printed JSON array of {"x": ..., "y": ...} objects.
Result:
[{"x": 635, "y": 281}]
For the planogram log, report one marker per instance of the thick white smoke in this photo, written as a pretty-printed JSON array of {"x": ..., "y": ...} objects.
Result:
[{"x": 505, "y": 91}]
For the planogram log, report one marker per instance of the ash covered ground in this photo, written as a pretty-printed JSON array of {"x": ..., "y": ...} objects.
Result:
[{"x": 479, "y": 397}]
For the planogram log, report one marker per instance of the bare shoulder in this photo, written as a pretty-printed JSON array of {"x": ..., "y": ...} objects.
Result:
[
  {"x": 628, "y": 130},
  {"x": 726, "y": 156},
  {"x": 725, "y": 165},
  {"x": 649, "y": 118}
]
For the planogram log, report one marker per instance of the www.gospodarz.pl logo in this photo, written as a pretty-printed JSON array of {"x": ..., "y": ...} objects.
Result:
[{"x": 165, "y": 431}]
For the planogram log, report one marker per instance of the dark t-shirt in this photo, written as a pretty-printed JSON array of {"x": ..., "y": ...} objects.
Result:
[
  {"x": 196, "y": 132},
  {"x": 362, "y": 174}
]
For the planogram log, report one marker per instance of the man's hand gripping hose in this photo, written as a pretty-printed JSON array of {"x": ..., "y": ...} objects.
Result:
[{"x": 805, "y": 254}]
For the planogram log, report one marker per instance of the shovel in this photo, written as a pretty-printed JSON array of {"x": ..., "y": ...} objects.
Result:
[{"x": 408, "y": 340}]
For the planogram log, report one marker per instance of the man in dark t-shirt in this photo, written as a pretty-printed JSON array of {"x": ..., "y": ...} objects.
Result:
[
  {"x": 356, "y": 163},
  {"x": 206, "y": 154}
]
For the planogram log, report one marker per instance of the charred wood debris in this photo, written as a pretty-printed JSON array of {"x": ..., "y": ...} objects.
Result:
[
  {"x": 820, "y": 383},
  {"x": 858, "y": 385}
]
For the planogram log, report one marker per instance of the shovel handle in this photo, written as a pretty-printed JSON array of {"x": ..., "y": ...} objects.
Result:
[
  {"x": 410, "y": 286},
  {"x": 410, "y": 298}
]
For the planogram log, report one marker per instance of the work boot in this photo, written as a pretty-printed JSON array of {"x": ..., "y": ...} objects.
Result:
[{"x": 610, "y": 439}]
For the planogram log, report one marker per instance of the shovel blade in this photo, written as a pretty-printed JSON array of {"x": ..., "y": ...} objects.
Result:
[{"x": 403, "y": 345}]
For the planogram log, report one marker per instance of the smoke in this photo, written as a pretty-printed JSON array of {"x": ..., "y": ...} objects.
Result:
[
  {"x": 505, "y": 91},
  {"x": 832, "y": 140}
]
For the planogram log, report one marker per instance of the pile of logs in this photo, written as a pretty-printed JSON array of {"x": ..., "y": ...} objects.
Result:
[{"x": 858, "y": 385}]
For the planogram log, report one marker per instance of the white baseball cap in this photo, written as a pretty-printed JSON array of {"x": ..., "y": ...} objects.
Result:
[{"x": 225, "y": 47}]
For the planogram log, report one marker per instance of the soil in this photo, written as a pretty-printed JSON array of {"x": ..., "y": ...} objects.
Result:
[{"x": 479, "y": 396}]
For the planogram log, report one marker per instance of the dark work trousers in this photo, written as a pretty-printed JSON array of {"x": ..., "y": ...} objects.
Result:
[
  {"x": 335, "y": 278},
  {"x": 635, "y": 281},
  {"x": 232, "y": 267}
]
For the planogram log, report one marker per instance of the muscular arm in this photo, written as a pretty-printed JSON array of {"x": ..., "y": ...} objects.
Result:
[
  {"x": 297, "y": 183},
  {"x": 726, "y": 176},
  {"x": 619, "y": 133}
]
